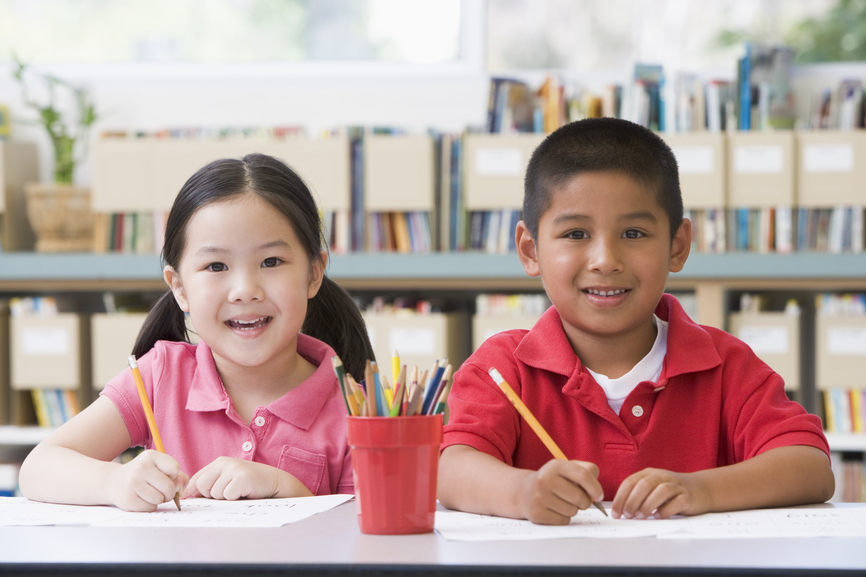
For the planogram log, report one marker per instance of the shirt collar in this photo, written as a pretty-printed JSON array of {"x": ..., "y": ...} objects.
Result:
[
  {"x": 299, "y": 407},
  {"x": 690, "y": 347}
]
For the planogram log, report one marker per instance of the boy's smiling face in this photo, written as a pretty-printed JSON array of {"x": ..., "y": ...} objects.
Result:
[{"x": 604, "y": 252}]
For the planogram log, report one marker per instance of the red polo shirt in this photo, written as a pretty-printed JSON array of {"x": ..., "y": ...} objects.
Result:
[{"x": 715, "y": 404}]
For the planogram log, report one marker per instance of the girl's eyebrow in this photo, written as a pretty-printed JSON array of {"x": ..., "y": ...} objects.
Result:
[{"x": 210, "y": 249}]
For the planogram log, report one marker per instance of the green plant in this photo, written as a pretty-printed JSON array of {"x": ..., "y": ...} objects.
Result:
[{"x": 65, "y": 130}]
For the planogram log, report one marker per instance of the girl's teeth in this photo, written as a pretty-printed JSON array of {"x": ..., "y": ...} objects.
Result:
[{"x": 248, "y": 325}]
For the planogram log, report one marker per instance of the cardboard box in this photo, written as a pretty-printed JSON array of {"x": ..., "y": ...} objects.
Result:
[
  {"x": 113, "y": 336},
  {"x": 831, "y": 168},
  {"x": 761, "y": 169},
  {"x": 485, "y": 327},
  {"x": 494, "y": 169},
  {"x": 775, "y": 338},
  {"x": 840, "y": 358},
  {"x": 702, "y": 164},
  {"x": 420, "y": 339},
  {"x": 399, "y": 173}
]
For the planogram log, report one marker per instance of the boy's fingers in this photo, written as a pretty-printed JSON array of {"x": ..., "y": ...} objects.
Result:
[{"x": 585, "y": 476}]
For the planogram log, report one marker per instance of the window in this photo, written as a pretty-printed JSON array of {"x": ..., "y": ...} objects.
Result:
[{"x": 231, "y": 31}]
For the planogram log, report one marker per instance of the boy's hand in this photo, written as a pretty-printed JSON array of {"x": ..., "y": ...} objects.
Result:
[
  {"x": 558, "y": 490},
  {"x": 148, "y": 480},
  {"x": 231, "y": 479},
  {"x": 659, "y": 494}
]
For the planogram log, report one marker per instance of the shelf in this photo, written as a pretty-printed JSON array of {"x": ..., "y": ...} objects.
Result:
[
  {"x": 39, "y": 270},
  {"x": 12, "y": 436},
  {"x": 854, "y": 442}
]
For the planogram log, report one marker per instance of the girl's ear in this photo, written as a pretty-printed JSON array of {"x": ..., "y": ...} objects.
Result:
[
  {"x": 681, "y": 245},
  {"x": 527, "y": 251},
  {"x": 317, "y": 268},
  {"x": 172, "y": 279}
]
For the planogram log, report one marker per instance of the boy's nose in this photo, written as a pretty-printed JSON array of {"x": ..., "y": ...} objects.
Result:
[{"x": 605, "y": 257}]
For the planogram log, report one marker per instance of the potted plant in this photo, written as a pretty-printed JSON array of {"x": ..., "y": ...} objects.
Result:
[{"x": 60, "y": 211}]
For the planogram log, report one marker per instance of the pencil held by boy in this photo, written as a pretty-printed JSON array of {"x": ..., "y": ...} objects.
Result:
[
  {"x": 653, "y": 411},
  {"x": 253, "y": 410}
]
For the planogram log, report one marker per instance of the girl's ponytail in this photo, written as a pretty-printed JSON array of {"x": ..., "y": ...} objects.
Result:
[
  {"x": 164, "y": 322},
  {"x": 334, "y": 318}
]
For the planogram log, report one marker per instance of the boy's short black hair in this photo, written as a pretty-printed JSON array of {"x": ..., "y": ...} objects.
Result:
[{"x": 601, "y": 145}]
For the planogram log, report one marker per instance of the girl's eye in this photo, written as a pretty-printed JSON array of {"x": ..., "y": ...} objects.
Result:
[
  {"x": 216, "y": 267},
  {"x": 633, "y": 234},
  {"x": 577, "y": 235},
  {"x": 270, "y": 262}
]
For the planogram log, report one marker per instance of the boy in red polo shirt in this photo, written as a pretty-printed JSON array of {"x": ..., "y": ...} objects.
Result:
[{"x": 663, "y": 415}]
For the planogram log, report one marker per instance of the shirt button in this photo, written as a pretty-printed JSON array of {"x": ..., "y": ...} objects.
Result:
[
  {"x": 248, "y": 446},
  {"x": 637, "y": 410},
  {"x": 260, "y": 421}
]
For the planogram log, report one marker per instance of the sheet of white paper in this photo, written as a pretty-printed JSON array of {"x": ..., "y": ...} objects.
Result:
[
  {"x": 193, "y": 513},
  {"x": 801, "y": 522},
  {"x": 455, "y": 526}
]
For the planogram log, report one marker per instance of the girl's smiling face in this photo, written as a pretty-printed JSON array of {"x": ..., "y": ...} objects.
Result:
[
  {"x": 604, "y": 252},
  {"x": 245, "y": 279}
]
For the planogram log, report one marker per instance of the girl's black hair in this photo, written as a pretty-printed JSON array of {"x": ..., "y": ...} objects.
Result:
[{"x": 332, "y": 315}]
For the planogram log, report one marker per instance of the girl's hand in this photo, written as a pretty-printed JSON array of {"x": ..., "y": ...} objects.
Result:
[
  {"x": 659, "y": 494},
  {"x": 556, "y": 492},
  {"x": 231, "y": 479},
  {"x": 148, "y": 480}
]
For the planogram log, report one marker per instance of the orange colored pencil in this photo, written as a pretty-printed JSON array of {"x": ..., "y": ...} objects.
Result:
[
  {"x": 533, "y": 422},
  {"x": 148, "y": 413}
]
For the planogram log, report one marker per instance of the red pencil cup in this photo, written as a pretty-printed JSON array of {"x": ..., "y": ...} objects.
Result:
[{"x": 395, "y": 463}]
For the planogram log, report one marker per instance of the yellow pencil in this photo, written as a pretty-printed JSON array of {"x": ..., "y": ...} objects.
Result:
[
  {"x": 395, "y": 366},
  {"x": 533, "y": 422},
  {"x": 148, "y": 413}
]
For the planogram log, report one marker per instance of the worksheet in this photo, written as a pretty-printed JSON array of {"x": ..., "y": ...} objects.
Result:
[
  {"x": 823, "y": 521},
  {"x": 455, "y": 526},
  {"x": 814, "y": 521},
  {"x": 193, "y": 513}
]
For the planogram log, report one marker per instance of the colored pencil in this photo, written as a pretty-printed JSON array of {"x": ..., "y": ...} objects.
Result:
[
  {"x": 442, "y": 400},
  {"x": 341, "y": 380},
  {"x": 395, "y": 366},
  {"x": 372, "y": 393},
  {"x": 432, "y": 392},
  {"x": 148, "y": 413},
  {"x": 533, "y": 422}
]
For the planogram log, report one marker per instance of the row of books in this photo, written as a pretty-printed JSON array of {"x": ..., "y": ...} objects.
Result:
[
  {"x": 397, "y": 232},
  {"x": 54, "y": 406},
  {"x": 129, "y": 232},
  {"x": 508, "y": 305},
  {"x": 836, "y": 304},
  {"x": 837, "y": 108},
  {"x": 850, "y": 479},
  {"x": 845, "y": 410},
  {"x": 780, "y": 229},
  {"x": 759, "y": 98},
  {"x": 208, "y": 133},
  {"x": 492, "y": 231}
]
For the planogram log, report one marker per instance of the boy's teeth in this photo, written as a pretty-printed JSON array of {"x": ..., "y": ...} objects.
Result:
[{"x": 605, "y": 294}]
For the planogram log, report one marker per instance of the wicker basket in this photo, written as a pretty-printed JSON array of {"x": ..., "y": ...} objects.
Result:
[{"x": 61, "y": 217}]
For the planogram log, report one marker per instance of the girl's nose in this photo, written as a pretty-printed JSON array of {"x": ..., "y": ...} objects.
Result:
[{"x": 245, "y": 288}]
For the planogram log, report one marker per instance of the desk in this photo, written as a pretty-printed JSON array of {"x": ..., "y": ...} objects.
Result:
[{"x": 330, "y": 544}]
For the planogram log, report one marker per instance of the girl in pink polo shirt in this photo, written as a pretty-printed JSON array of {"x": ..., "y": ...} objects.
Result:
[{"x": 252, "y": 409}]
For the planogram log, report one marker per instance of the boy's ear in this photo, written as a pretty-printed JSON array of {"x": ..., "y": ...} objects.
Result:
[
  {"x": 527, "y": 251},
  {"x": 681, "y": 246},
  {"x": 172, "y": 279},
  {"x": 317, "y": 274}
]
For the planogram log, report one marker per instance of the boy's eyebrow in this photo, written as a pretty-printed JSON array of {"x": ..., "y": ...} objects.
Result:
[
  {"x": 641, "y": 215},
  {"x": 210, "y": 249}
]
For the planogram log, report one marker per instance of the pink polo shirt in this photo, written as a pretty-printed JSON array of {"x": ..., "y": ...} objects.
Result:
[{"x": 303, "y": 432}]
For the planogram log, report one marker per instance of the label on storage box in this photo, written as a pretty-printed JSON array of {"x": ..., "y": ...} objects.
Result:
[
  {"x": 694, "y": 159},
  {"x": 45, "y": 341},
  {"x": 499, "y": 162},
  {"x": 847, "y": 341},
  {"x": 765, "y": 340},
  {"x": 755, "y": 159},
  {"x": 411, "y": 341}
]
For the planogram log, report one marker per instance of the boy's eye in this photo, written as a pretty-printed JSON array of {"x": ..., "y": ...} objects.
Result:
[
  {"x": 632, "y": 233},
  {"x": 216, "y": 267},
  {"x": 577, "y": 235},
  {"x": 270, "y": 262}
]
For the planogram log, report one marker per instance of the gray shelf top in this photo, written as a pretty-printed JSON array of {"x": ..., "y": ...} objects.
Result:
[{"x": 29, "y": 266}]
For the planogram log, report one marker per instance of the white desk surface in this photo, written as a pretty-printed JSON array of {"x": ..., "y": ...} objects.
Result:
[{"x": 330, "y": 543}]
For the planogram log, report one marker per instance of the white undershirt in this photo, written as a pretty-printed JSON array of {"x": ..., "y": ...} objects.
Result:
[{"x": 648, "y": 368}]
